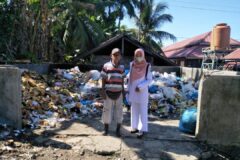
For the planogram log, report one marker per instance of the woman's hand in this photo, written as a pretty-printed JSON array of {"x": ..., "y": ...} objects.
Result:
[{"x": 137, "y": 89}]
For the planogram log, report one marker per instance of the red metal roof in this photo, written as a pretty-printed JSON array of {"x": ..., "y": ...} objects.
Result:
[
  {"x": 234, "y": 55},
  {"x": 192, "y": 47}
]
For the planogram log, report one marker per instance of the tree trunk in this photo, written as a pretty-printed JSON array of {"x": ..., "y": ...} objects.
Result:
[
  {"x": 23, "y": 28},
  {"x": 44, "y": 34},
  {"x": 120, "y": 18},
  {"x": 140, "y": 15},
  {"x": 34, "y": 33}
]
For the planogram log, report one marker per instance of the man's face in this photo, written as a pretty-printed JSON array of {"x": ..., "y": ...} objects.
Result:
[{"x": 116, "y": 58}]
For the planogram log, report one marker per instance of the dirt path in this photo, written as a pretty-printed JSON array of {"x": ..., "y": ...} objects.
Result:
[{"x": 82, "y": 139}]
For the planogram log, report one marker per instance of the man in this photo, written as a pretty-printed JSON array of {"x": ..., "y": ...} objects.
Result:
[{"x": 112, "y": 91}]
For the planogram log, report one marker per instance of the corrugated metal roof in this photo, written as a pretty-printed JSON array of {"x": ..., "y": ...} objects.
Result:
[
  {"x": 126, "y": 39},
  {"x": 234, "y": 55},
  {"x": 192, "y": 47}
]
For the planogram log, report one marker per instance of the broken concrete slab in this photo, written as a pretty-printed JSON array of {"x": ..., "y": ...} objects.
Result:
[
  {"x": 107, "y": 146},
  {"x": 102, "y": 145}
]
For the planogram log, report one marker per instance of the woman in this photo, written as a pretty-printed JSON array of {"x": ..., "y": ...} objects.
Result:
[{"x": 139, "y": 78}]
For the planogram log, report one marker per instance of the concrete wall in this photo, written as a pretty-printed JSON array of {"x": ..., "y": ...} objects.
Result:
[
  {"x": 47, "y": 68},
  {"x": 191, "y": 73},
  {"x": 98, "y": 61},
  {"x": 10, "y": 99},
  {"x": 39, "y": 68},
  {"x": 167, "y": 69},
  {"x": 219, "y": 108}
]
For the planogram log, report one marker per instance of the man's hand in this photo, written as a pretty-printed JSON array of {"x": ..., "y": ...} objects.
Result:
[{"x": 137, "y": 89}]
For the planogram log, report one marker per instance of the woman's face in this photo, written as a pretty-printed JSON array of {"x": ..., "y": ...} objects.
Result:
[{"x": 139, "y": 56}]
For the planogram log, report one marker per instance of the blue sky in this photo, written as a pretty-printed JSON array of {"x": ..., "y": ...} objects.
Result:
[{"x": 194, "y": 17}]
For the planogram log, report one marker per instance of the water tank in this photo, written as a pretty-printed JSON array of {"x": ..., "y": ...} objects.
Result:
[{"x": 220, "y": 38}]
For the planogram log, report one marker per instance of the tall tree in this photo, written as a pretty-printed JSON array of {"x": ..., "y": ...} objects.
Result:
[
  {"x": 106, "y": 17},
  {"x": 13, "y": 30},
  {"x": 115, "y": 11},
  {"x": 6, "y": 28},
  {"x": 81, "y": 31},
  {"x": 150, "y": 19},
  {"x": 44, "y": 28},
  {"x": 125, "y": 7}
]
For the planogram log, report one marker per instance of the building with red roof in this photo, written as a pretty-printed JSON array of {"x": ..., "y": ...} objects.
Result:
[
  {"x": 189, "y": 52},
  {"x": 235, "y": 55},
  {"x": 232, "y": 60}
]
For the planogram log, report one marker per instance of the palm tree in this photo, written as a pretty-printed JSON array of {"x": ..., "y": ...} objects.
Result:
[
  {"x": 125, "y": 6},
  {"x": 116, "y": 10},
  {"x": 105, "y": 16},
  {"x": 80, "y": 30},
  {"x": 150, "y": 19}
]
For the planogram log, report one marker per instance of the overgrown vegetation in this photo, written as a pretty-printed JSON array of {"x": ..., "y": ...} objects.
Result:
[{"x": 56, "y": 30}]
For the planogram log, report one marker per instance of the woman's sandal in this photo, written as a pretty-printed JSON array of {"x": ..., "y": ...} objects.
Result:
[{"x": 134, "y": 131}]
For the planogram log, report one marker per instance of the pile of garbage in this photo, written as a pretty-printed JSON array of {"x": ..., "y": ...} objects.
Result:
[
  {"x": 63, "y": 95},
  {"x": 171, "y": 95},
  {"x": 72, "y": 94}
]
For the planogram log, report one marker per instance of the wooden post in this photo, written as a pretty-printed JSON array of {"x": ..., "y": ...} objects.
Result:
[{"x": 123, "y": 49}]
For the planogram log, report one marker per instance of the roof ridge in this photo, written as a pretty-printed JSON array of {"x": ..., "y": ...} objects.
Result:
[{"x": 191, "y": 43}]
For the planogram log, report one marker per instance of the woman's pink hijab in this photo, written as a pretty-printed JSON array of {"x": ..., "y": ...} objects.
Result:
[{"x": 138, "y": 68}]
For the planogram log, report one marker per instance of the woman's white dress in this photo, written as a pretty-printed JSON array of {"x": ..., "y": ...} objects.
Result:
[{"x": 139, "y": 100}]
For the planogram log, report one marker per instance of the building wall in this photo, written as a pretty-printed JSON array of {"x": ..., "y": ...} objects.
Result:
[{"x": 195, "y": 63}]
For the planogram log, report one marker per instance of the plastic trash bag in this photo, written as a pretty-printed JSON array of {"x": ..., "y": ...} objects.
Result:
[
  {"x": 94, "y": 75},
  {"x": 67, "y": 76},
  {"x": 75, "y": 69},
  {"x": 169, "y": 92},
  {"x": 156, "y": 96},
  {"x": 187, "y": 121},
  {"x": 86, "y": 102},
  {"x": 193, "y": 95},
  {"x": 153, "y": 89}
]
